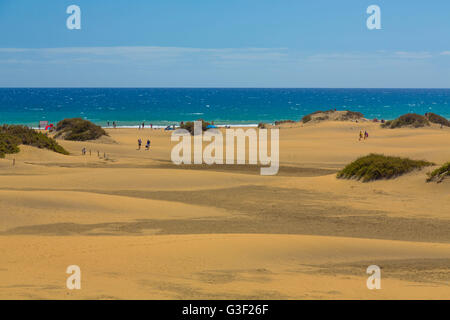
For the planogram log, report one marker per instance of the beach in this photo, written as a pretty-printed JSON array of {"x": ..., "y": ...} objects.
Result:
[{"x": 140, "y": 227}]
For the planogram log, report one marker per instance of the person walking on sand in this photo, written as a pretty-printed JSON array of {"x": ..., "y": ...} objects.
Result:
[
  {"x": 366, "y": 135},
  {"x": 83, "y": 151},
  {"x": 147, "y": 146},
  {"x": 139, "y": 143},
  {"x": 360, "y": 135}
]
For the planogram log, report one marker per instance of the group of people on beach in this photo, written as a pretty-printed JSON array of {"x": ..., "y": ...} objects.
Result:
[
  {"x": 143, "y": 126},
  {"x": 147, "y": 146},
  {"x": 363, "y": 136},
  {"x": 84, "y": 152}
]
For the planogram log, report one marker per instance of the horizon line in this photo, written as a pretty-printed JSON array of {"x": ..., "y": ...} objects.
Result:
[{"x": 200, "y": 87}]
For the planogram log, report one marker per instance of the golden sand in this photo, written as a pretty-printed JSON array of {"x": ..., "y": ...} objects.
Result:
[{"x": 140, "y": 227}]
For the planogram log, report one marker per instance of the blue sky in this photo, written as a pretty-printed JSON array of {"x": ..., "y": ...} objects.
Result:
[{"x": 217, "y": 43}]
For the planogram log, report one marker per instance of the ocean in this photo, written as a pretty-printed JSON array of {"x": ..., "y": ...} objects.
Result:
[{"x": 164, "y": 106}]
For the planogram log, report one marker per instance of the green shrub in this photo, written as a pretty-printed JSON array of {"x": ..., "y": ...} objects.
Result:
[
  {"x": 306, "y": 118},
  {"x": 11, "y": 136},
  {"x": 378, "y": 166},
  {"x": 352, "y": 115},
  {"x": 406, "y": 120},
  {"x": 320, "y": 111},
  {"x": 262, "y": 125},
  {"x": 283, "y": 122},
  {"x": 8, "y": 144},
  {"x": 435, "y": 118},
  {"x": 439, "y": 174},
  {"x": 77, "y": 129},
  {"x": 341, "y": 116},
  {"x": 189, "y": 126}
]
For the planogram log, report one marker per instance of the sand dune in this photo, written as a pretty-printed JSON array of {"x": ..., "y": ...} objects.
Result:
[
  {"x": 221, "y": 267},
  {"x": 28, "y": 208},
  {"x": 141, "y": 227}
]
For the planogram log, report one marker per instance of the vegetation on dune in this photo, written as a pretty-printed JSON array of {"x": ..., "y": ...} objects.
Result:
[
  {"x": 283, "y": 122},
  {"x": 439, "y": 174},
  {"x": 8, "y": 144},
  {"x": 262, "y": 125},
  {"x": 332, "y": 115},
  {"x": 435, "y": 118},
  {"x": 351, "y": 115},
  {"x": 77, "y": 129},
  {"x": 407, "y": 120},
  {"x": 306, "y": 118},
  {"x": 189, "y": 126},
  {"x": 320, "y": 111},
  {"x": 11, "y": 136},
  {"x": 378, "y": 166}
]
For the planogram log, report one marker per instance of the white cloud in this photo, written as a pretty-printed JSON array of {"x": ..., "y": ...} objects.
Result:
[
  {"x": 413, "y": 55},
  {"x": 144, "y": 54},
  {"x": 380, "y": 54},
  {"x": 138, "y": 50},
  {"x": 184, "y": 66},
  {"x": 147, "y": 53}
]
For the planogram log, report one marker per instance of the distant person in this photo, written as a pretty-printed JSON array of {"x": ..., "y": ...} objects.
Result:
[
  {"x": 151, "y": 126},
  {"x": 83, "y": 151},
  {"x": 139, "y": 143},
  {"x": 108, "y": 123},
  {"x": 114, "y": 124},
  {"x": 360, "y": 135},
  {"x": 143, "y": 125},
  {"x": 147, "y": 146},
  {"x": 366, "y": 135}
]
